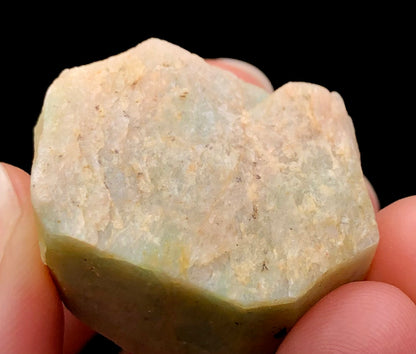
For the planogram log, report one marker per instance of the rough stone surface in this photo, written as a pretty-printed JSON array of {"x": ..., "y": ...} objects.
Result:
[{"x": 200, "y": 212}]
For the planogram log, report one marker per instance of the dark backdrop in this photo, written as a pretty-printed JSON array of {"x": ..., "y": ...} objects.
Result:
[{"x": 367, "y": 56}]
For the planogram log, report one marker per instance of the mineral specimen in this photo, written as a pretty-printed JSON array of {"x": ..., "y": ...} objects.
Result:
[{"x": 183, "y": 210}]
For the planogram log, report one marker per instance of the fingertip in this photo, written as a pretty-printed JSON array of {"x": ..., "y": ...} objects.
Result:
[
  {"x": 360, "y": 317},
  {"x": 244, "y": 71},
  {"x": 20, "y": 180},
  {"x": 395, "y": 258},
  {"x": 30, "y": 311},
  {"x": 373, "y": 195}
]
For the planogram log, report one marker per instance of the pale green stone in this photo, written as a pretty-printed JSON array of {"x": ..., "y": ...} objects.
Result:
[{"x": 185, "y": 211}]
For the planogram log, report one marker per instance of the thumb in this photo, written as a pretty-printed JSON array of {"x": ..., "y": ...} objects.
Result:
[{"x": 30, "y": 309}]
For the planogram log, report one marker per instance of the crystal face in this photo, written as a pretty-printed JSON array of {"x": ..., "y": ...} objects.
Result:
[{"x": 184, "y": 210}]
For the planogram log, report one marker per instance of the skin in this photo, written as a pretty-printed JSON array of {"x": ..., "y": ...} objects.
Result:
[{"x": 377, "y": 315}]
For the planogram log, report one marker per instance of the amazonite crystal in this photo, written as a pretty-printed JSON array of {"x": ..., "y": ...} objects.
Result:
[{"x": 182, "y": 210}]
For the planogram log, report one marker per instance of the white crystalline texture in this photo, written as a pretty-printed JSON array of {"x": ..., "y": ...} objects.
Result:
[{"x": 179, "y": 168}]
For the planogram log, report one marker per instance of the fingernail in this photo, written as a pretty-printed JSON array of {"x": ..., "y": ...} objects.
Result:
[
  {"x": 10, "y": 210},
  {"x": 253, "y": 71}
]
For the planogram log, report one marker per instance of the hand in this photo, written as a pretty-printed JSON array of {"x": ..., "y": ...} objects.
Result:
[
  {"x": 32, "y": 318},
  {"x": 373, "y": 316}
]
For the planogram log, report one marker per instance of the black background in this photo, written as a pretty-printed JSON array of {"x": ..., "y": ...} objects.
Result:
[{"x": 365, "y": 55}]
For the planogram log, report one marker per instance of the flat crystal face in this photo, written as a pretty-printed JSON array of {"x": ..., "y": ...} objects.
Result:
[{"x": 180, "y": 168}]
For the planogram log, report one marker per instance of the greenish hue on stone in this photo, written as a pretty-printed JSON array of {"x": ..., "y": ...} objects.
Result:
[{"x": 185, "y": 211}]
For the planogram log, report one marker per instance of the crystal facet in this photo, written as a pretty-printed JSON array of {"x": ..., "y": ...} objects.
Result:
[{"x": 183, "y": 210}]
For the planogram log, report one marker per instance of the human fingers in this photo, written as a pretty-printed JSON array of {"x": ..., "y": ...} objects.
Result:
[
  {"x": 373, "y": 195},
  {"x": 395, "y": 258},
  {"x": 244, "y": 71},
  {"x": 36, "y": 314},
  {"x": 360, "y": 317},
  {"x": 30, "y": 309},
  {"x": 76, "y": 333}
]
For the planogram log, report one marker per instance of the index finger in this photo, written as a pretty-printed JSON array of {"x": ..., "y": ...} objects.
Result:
[{"x": 395, "y": 258}]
